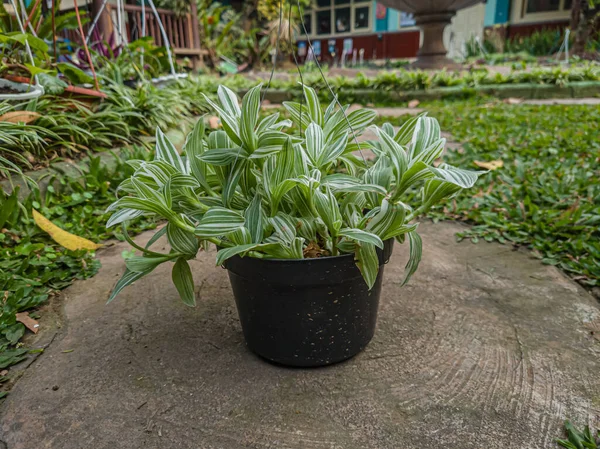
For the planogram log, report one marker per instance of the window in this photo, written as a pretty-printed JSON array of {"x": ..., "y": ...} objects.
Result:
[
  {"x": 338, "y": 17},
  {"x": 342, "y": 20},
  {"x": 546, "y": 6},
  {"x": 542, "y": 5},
  {"x": 307, "y": 24},
  {"x": 324, "y": 21}
]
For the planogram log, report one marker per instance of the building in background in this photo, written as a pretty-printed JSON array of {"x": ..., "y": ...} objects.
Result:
[
  {"x": 341, "y": 26},
  {"x": 515, "y": 18}
]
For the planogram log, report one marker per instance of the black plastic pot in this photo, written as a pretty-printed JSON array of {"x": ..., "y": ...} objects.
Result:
[{"x": 307, "y": 312}]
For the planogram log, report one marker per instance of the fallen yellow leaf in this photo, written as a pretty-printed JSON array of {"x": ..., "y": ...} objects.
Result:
[
  {"x": 62, "y": 237},
  {"x": 491, "y": 165},
  {"x": 19, "y": 117}
]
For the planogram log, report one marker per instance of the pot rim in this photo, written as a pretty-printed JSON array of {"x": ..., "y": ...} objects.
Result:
[{"x": 307, "y": 259}]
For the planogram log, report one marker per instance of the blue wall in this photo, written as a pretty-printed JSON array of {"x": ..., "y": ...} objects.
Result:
[
  {"x": 391, "y": 22},
  {"x": 496, "y": 12}
]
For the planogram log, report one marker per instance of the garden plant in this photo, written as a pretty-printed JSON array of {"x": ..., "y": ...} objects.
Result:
[{"x": 261, "y": 193}]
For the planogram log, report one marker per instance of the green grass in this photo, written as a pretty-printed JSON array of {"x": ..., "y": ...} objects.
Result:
[
  {"x": 32, "y": 266},
  {"x": 547, "y": 195}
]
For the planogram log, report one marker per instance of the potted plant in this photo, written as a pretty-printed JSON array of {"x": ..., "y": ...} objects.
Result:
[{"x": 303, "y": 225}]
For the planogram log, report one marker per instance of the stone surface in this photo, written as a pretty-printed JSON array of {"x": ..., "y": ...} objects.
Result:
[{"x": 485, "y": 348}]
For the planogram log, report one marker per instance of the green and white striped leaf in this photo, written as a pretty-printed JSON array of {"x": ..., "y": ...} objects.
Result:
[
  {"x": 254, "y": 219},
  {"x": 240, "y": 236},
  {"x": 223, "y": 156},
  {"x": 219, "y": 139},
  {"x": 415, "y": 254},
  {"x": 284, "y": 226},
  {"x": 329, "y": 111},
  {"x": 194, "y": 147},
  {"x": 128, "y": 278},
  {"x": 278, "y": 193},
  {"x": 361, "y": 236},
  {"x": 229, "y": 101},
  {"x": 232, "y": 181},
  {"x": 230, "y": 123},
  {"x": 339, "y": 182},
  {"x": 314, "y": 105},
  {"x": 431, "y": 153},
  {"x": 298, "y": 113},
  {"x": 178, "y": 182},
  {"x": 270, "y": 142},
  {"x": 387, "y": 220},
  {"x": 182, "y": 241},
  {"x": 315, "y": 141},
  {"x": 396, "y": 154},
  {"x": 406, "y": 131},
  {"x": 228, "y": 253},
  {"x": 159, "y": 171},
  {"x": 332, "y": 151},
  {"x": 367, "y": 262},
  {"x": 184, "y": 282},
  {"x": 416, "y": 173},
  {"x": 218, "y": 222},
  {"x": 328, "y": 209},
  {"x": 426, "y": 132},
  {"x": 379, "y": 174},
  {"x": 356, "y": 121},
  {"x": 122, "y": 216},
  {"x": 140, "y": 264},
  {"x": 250, "y": 111},
  {"x": 162, "y": 231},
  {"x": 165, "y": 151},
  {"x": 266, "y": 123},
  {"x": 448, "y": 181},
  {"x": 388, "y": 129}
]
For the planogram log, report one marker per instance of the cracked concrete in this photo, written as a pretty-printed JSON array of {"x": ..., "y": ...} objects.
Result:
[{"x": 485, "y": 348}]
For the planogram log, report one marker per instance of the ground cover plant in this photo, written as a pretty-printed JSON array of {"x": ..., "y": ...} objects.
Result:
[
  {"x": 400, "y": 81},
  {"x": 547, "y": 193},
  {"x": 33, "y": 267},
  {"x": 255, "y": 190}
]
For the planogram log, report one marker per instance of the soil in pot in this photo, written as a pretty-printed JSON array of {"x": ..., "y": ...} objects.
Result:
[
  {"x": 308, "y": 312},
  {"x": 9, "y": 90}
]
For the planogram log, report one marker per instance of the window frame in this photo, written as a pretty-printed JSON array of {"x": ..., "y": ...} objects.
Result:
[
  {"x": 353, "y": 5},
  {"x": 520, "y": 14}
]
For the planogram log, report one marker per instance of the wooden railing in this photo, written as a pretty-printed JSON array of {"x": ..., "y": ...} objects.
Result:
[{"x": 182, "y": 31}]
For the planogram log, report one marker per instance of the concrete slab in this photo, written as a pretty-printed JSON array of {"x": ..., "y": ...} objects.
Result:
[{"x": 485, "y": 348}]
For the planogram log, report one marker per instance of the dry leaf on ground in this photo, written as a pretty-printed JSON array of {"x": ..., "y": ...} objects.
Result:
[
  {"x": 491, "y": 165},
  {"x": 413, "y": 104},
  {"x": 62, "y": 237},
  {"x": 19, "y": 117},
  {"x": 30, "y": 323}
]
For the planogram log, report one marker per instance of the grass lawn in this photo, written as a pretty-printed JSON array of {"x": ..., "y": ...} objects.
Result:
[{"x": 546, "y": 195}]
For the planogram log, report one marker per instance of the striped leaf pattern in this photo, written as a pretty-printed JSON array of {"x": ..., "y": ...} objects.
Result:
[
  {"x": 218, "y": 222},
  {"x": 256, "y": 190}
]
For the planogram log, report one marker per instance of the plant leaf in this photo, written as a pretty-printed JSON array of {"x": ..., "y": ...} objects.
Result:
[
  {"x": 361, "y": 236},
  {"x": 416, "y": 252},
  {"x": 128, "y": 278},
  {"x": 367, "y": 262},
  {"x": 218, "y": 222},
  {"x": 184, "y": 281}
]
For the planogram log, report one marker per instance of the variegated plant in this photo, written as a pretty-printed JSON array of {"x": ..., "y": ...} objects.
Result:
[{"x": 256, "y": 190}]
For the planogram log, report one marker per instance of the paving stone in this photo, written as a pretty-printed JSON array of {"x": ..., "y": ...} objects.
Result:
[{"x": 484, "y": 348}]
